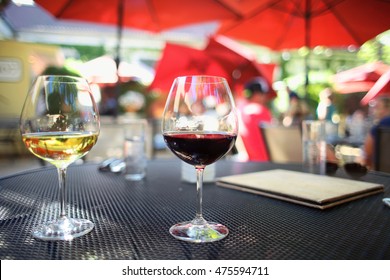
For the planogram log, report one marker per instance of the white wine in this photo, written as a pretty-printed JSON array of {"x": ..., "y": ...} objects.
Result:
[{"x": 60, "y": 148}]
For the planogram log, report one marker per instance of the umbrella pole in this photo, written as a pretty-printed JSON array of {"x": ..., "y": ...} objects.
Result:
[
  {"x": 118, "y": 54},
  {"x": 119, "y": 33},
  {"x": 307, "y": 43},
  {"x": 307, "y": 70}
]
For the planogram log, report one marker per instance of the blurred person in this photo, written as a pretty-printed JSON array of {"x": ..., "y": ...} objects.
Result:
[
  {"x": 326, "y": 111},
  {"x": 357, "y": 121},
  {"x": 355, "y": 126},
  {"x": 382, "y": 117},
  {"x": 297, "y": 110},
  {"x": 252, "y": 112},
  {"x": 326, "y": 108}
]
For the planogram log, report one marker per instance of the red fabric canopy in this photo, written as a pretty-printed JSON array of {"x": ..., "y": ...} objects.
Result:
[
  {"x": 178, "y": 60},
  {"x": 381, "y": 87},
  {"x": 291, "y": 24},
  {"x": 239, "y": 62},
  {"x": 217, "y": 59},
  {"x": 359, "y": 79},
  {"x": 153, "y": 15}
]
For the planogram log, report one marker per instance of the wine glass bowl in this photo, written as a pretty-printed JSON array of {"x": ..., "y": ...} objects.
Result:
[
  {"x": 199, "y": 126},
  {"x": 60, "y": 123},
  {"x": 350, "y": 159},
  {"x": 355, "y": 169}
]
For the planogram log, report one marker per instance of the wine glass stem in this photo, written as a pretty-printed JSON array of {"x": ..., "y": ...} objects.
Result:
[
  {"x": 199, "y": 193},
  {"x": 61, "y": 182}
]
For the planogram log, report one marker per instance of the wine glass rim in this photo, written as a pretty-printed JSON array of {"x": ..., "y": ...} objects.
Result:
[
  {"x": 67, "y": 78},
  {"x": 208, "y": 77}
]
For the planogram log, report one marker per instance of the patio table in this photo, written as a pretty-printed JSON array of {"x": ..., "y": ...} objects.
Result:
[{"x": 132, "y": 218}]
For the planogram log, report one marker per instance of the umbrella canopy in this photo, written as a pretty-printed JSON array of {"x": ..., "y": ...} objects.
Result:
[
  {"x": 216, "y": 60},
  {"x": 179, "y": 60},
  {"x": 152, "y": 15},
  {"x": 359, "y": 79},
  {"x": 291, "y": 24},
  {"x": 239, "y": 62},
  {"x": 380, "y": 88}
]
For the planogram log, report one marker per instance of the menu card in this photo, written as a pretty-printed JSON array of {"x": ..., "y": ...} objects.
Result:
[{"x": 303, "y": 188}]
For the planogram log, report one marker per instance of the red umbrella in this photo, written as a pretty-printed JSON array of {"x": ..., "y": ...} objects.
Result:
[
  {"x": 153, "y": 15},
  {"x": 352, "y": 87},
  {"x": 216, "y": 60},
  {"x": 381, "y": 87},
  {"x": 291, "y": 24},
  {"x": 239, "y": 62},
  {"x": 178, "y": 60},
  {"x": 359, "y": 79}
]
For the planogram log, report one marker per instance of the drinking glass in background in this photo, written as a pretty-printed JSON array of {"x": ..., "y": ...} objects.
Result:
[
  {"x": 134, "y": 150},
  {"x": 200, "y": 126},
  {"x": 60, "y": 123},
  {"x": 314, "y": 146},
  {"x": 350, "y": 158}
]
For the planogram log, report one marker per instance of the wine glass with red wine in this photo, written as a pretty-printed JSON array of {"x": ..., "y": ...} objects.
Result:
[{"x": 199, "y": 126}]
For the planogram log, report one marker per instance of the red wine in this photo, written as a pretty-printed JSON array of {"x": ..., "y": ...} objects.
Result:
[{"x": 199, "y": 149}]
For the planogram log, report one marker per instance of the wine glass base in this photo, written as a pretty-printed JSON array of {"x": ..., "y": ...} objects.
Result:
[
  {"x": 199, "y": 233},
  {"x": 63, "y": 229}
]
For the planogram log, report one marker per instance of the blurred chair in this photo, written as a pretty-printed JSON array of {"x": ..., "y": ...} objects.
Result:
[
  {"x": 382, "y": 150},
  {"x": 284, "y": 144}
]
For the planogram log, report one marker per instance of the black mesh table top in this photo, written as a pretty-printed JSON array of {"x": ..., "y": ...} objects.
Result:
[{"x": 132, "y": 219}]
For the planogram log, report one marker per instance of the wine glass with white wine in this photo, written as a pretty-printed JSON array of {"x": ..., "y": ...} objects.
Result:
[{"x": 60, "y": 123}]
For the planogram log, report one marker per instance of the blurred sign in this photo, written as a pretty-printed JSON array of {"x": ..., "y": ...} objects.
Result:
[{"x": 10, "y": 70}]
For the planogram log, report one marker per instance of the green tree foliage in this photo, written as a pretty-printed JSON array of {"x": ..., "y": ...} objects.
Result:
[
  {"x": 88, "y": 52},
  {"x": 54, "y": 70},
  {"x": 374, "y": 50}
]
